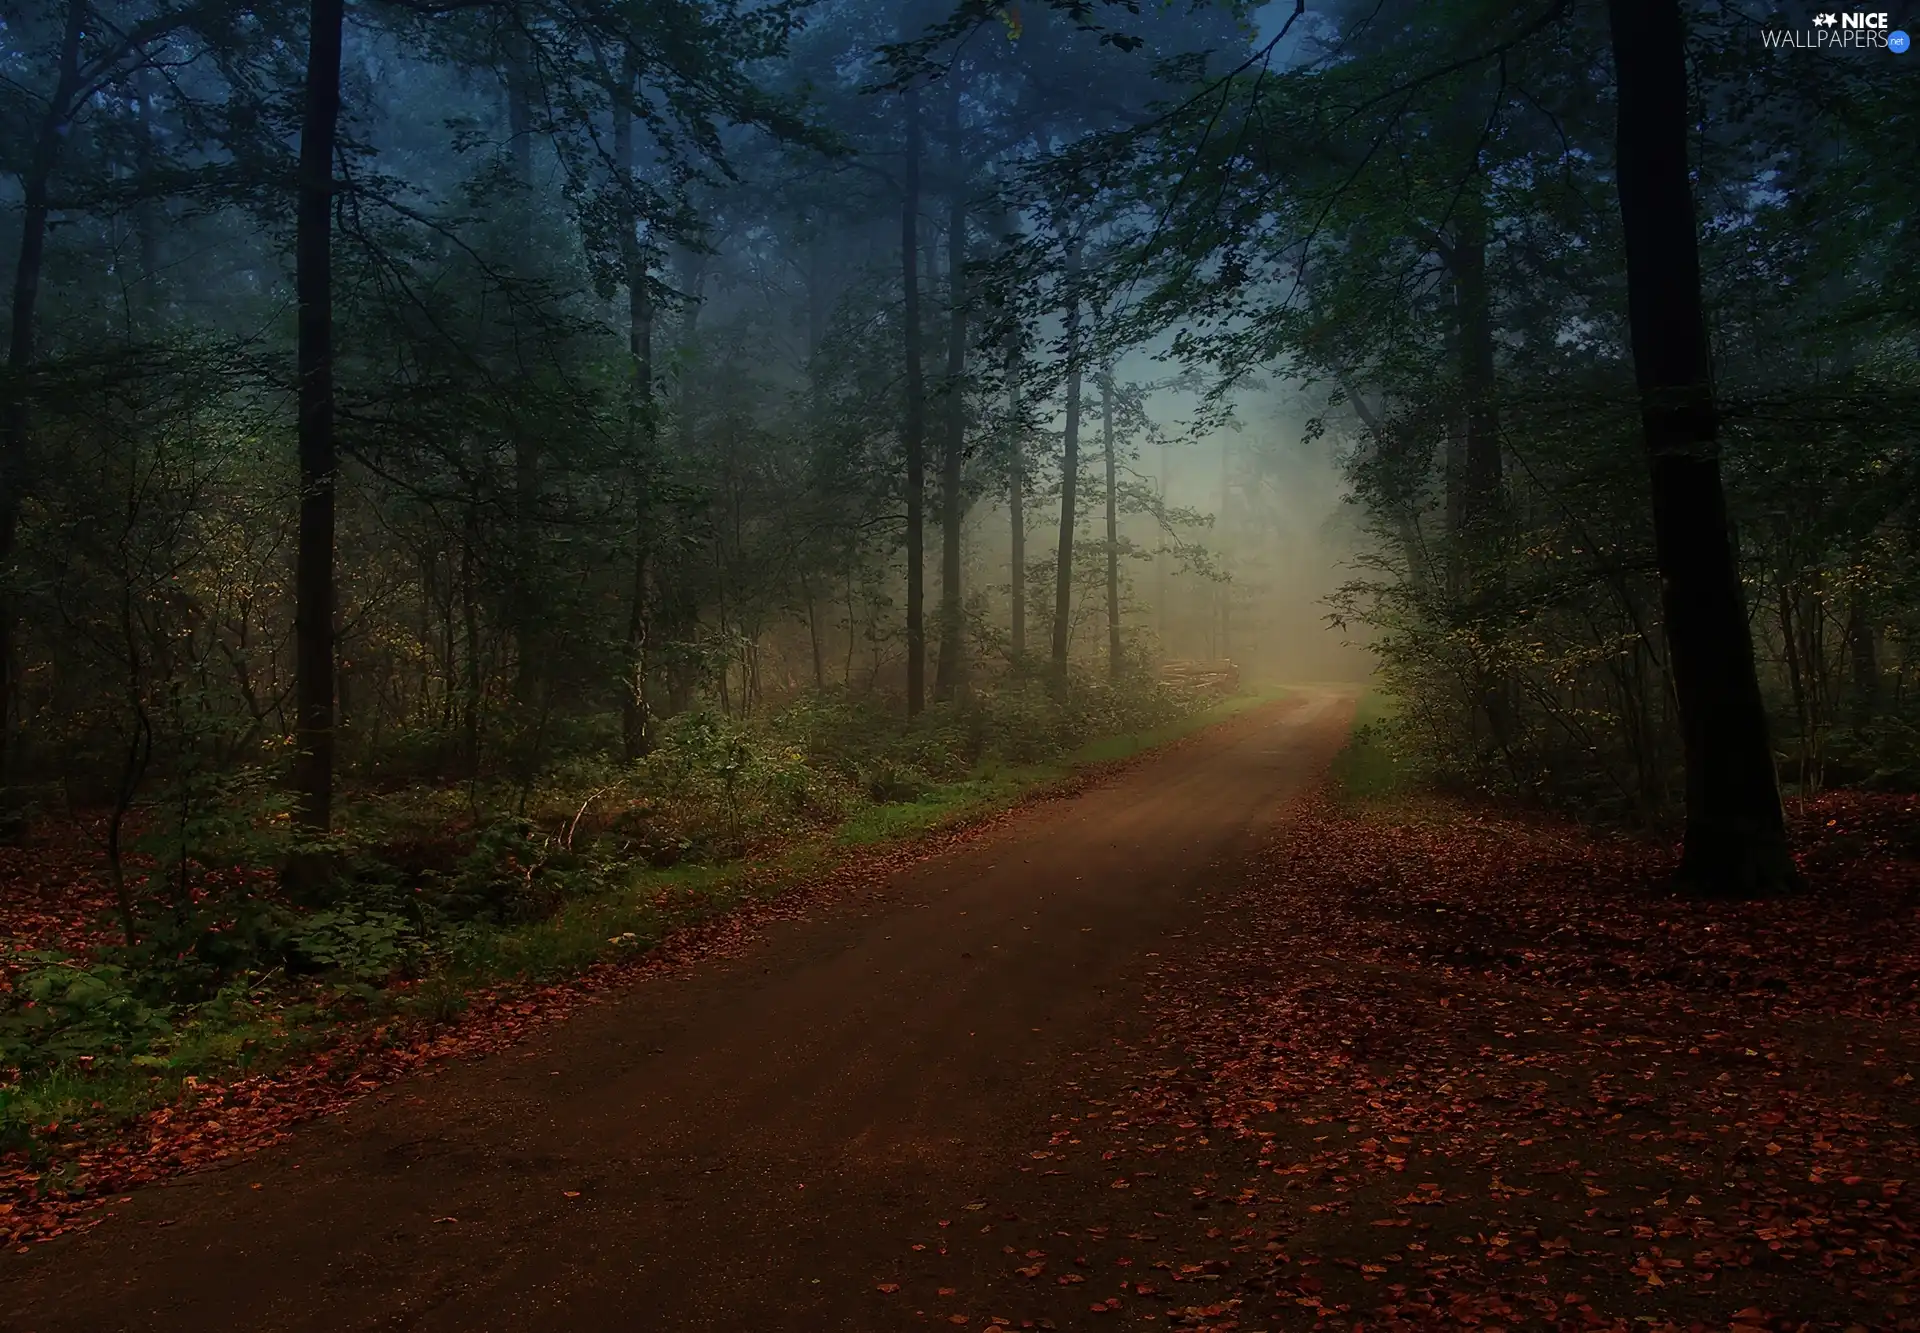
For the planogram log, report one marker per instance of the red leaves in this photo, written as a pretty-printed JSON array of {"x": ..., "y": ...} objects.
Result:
[{"x": 1505, "y": 1030}]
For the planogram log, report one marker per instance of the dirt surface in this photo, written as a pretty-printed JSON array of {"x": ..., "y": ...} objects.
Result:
[{"x": 749, "y": 1145}]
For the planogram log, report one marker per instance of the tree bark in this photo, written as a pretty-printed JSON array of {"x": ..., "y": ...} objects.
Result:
[
  {"x": 1114, "y": 663},
  {"x": 1482, "y": 503},
  {"x": 915, "y": 429},
  {"x": 634, "y": 713},
  {"x": 313, "y": 572},
  {"x": 34, "y": 209},
  {"x": 1069, "y": 478},
  {"x": 1017, "y": 504},
  {"x": 1482, "y": 481},
  {"x": 1736, "y": 841},
  {"x": 527, "y": 613},
  {"x": 952, "y": 663}
]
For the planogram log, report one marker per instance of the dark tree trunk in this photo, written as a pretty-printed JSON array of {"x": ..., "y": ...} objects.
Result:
[
  {"x": 1069, "y": 479},
  {"x": 915, "y": 431},
  {"x": 1736, "y": 842},
  {"x": 34, "y": 208},
  {"x": 313, "y": 280},
  {"x": 1113, "y": 526},
  {"x": 527, "y": 611},
  {"x": 952, "y": 663},
  {"x": 677, "y": 616},
  {"x": 640, "y": 418},
  {"x": 1481, "y": 481},
  {"x": 1482, "y": 500},
  {"x": 1017, "y": 502}
]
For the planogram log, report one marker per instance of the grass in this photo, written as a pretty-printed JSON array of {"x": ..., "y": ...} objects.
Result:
[
  {"x": 1366, "y": 771},
  {"x": 994, "y": 788},
  {"x": 1125, "y": 746}
]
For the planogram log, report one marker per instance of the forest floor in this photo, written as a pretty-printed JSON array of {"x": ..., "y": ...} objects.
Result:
[{"x": 1212, "y": 1045}]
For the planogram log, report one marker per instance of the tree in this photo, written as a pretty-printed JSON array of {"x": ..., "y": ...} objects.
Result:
[
  {"x": 1736, "y": 841},
  {"x": 1114, "y": 660},
  {"x": 313, "y": 573},
  {"x": 640, "y": 418},
  {"x": 954, "y": 446},
  {"x": 914, "y": 425},
  {"x": 1069, "y": 473}
]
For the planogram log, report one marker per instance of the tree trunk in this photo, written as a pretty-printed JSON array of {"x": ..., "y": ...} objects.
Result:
[
  {"x": 634, "y": 716},
  {"x": 313, "y": 571},
  {"x": 1226, "y": 585},
  {"x": 1113, "y": 526},
  {"x": 34, "y": 208},
  {"x": 1481, "y": 480},
  {"x": 1482, "y": 503},
  {"x": 1736, "y": 841},
  {"x": 527, "y": 613},
  {"x": 1069, "y": 478},
  {"x": 1017, "y": 503},
  {"x": 952, "y": 504},
  {"x": 915, "y": 431}
]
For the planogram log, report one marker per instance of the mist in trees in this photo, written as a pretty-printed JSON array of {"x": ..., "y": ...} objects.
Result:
[{"x": 406, "y": 392}]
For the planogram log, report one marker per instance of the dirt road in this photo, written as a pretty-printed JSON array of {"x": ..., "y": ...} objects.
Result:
[{"x": 743, "y": 1146}]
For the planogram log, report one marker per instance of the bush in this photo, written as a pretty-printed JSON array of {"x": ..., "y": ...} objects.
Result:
[
  {"x": 367, "y": 945},
  {"x": 63, "y": 1011}
]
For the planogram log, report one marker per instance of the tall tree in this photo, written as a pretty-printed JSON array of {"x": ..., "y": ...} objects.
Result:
[
  {"x": 527, "y": 610},
  {"x": 953, "y": 448},
  {"x": 1113, "y": 523},
  {"x": 34, "y": 214},
  {"x": 313, "y": 282},
  {"x": 915, "y": 426},
  {"x": 1069, "y": 474},
  {"x": 640, "y": 418},
  {"x": 1736, "y": 842},
  {"x": 1016, "y": 505}
]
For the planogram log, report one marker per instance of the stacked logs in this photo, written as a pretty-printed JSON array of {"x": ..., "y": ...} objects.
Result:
[{"x": 1221, "y": 677}]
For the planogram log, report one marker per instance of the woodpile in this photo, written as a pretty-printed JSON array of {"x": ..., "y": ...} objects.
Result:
[{"x": 1202, "y": 677}]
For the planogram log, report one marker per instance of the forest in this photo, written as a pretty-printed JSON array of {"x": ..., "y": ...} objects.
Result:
[{"x": 502, "y": 499}]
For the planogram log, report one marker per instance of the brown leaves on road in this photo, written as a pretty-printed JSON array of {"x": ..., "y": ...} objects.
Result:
[{"x": 1450, "y": 1069}]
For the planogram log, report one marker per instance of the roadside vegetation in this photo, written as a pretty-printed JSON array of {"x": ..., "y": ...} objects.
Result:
[{"x": 436, "y": 895}]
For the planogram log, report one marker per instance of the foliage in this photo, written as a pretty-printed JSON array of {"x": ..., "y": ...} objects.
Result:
[{"x": 63, "y": 1010}]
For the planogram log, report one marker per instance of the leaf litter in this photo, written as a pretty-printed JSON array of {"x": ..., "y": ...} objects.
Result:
[{"x": 1442, "y": 1068}]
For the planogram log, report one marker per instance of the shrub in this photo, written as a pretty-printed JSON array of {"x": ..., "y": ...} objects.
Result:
[{"x": 62, "y": 1010}]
